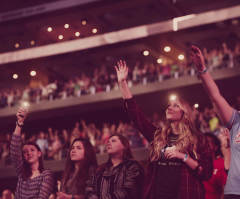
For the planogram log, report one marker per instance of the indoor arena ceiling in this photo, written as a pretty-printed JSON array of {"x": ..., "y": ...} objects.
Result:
[{"x": 106, "y": 16}]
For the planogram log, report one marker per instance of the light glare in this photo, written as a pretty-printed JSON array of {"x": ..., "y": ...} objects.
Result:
[
  {"x": 66, "y": 26},
  {"x": 181, "y": 57},
  {"x": 60, "y": 37},
  {"x": 49, "y": 29},
  {"x": 172, "y": 97},
  {"x": 15, "y": 76},
  {"x": 94, "y": 30},
  {"x": 167, "y": 49},
  {"x": 146, "y": 53},
  {"x": 33, "y": 73},
  {"x": 159, "y": 60},
  {"x": 77, "y": 34}
]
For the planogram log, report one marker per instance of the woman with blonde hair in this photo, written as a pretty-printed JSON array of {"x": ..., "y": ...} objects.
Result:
[{"x": 179, "y": 156}]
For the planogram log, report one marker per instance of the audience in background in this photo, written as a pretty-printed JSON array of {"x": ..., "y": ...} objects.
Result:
[
  {"x": 104, "y": 78},
  {"x": 55, "y": 143}
]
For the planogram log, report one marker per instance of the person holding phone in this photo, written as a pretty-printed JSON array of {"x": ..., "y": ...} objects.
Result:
[{"x": 33, "y": 180}]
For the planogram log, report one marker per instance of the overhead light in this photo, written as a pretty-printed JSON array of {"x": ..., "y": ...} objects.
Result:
[
  {"x": 49, "y": 29},
  {"x": 32, "y": 42},
  {"x": 33, "y": 73},
  {"x": 146, "y": 53},
  {"x": 15, "y": 76},
  {"x": 77, "y": 34},
  {"x": 66, "y": 26},
  {"x": 84, "y": 22},
  {"x": 94, "y": 30},
  {"x": 159, "y": 60},
  {"x": 17, "y": 45},
  {"x": 167, "y": 49},
  {"x": 60, "y": 37},
  {"x": 181, "y": 57}
]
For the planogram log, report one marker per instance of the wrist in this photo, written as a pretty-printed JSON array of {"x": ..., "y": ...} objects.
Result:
[
  {"x": 19, "y": 124},
  {"x": 203, "y": 70},
  {"x": 122, "y": 81},
  {"x": 185, "y": 157}
]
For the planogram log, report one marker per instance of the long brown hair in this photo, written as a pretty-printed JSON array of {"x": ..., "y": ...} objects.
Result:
[
  {"x": 188, "y": 134},
  {"x": 27, "y": 171},
  {"x": 89, "y": 162}
]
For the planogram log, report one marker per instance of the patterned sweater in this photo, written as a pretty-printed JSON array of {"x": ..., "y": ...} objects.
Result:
[{"x": 39, "y": 187}]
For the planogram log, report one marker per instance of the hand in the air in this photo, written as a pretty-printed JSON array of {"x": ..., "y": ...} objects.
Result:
[
  {"x": 122, "y": 71},
  {"x": 198, "y": 58},
  {"x": 21, "y": 115}
]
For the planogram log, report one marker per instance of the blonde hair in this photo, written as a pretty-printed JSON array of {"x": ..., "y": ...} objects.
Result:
[{"x": 187, "y": 140}]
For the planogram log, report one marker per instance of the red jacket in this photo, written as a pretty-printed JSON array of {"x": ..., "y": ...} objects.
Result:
[{"x": 215, "y": 185}]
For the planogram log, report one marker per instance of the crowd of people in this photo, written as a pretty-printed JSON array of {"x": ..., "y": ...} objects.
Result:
[
  {"x": 103, "y": 79},
  {"x": 201, "y": 157},
  {"x": 54, "y": 143}
]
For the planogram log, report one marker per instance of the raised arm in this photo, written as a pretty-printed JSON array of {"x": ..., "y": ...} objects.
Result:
[
  {"x": 134, "y": 112},
  {"x": 224, "y": 109},
  {"x": 122, "y": 73},
  {"x": 16, "y": 142}
]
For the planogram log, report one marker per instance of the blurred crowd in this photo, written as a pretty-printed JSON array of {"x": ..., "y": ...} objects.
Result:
[
  {"x": 7, "y": 194},
  {"x": 103, "y": 79},
  {"x": 55, "y": 143}
]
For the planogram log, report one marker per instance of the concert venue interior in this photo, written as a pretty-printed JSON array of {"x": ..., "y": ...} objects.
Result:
[{"x": 57, "y": 60}]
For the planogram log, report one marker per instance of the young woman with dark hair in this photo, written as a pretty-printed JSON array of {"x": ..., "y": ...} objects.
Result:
[
  {"x": 120, "y": 177},
  {"x": 229, "y": 116},
  {"x": 80, "y": 166},
  {"x": 179, "y": 154},
  {"x": 33, "y": 180}
]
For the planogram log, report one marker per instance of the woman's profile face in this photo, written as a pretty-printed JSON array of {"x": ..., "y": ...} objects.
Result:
[
  {"x": 77, "y": 151},
  {"x": 31, "y": 154},
  {"x": 114, "y": 145},
  {"x": 174, "y": 111}
]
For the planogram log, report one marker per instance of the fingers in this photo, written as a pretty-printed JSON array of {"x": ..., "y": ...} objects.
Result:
[
  {"x": 116, "y": 68},
  {"x": 121, "y": 65},
  {"x": 21, "y": 114},
  {"x": 195, "y": 49},
  {"x": 169, "y": 155}
]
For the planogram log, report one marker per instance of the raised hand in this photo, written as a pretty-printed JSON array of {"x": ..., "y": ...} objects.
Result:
[
  {"x": 122, "y": 71},
  {"x": 21, "y": 115},
  {"x": 224, "y": 138},
  {"x": 198, "y": 58}
]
